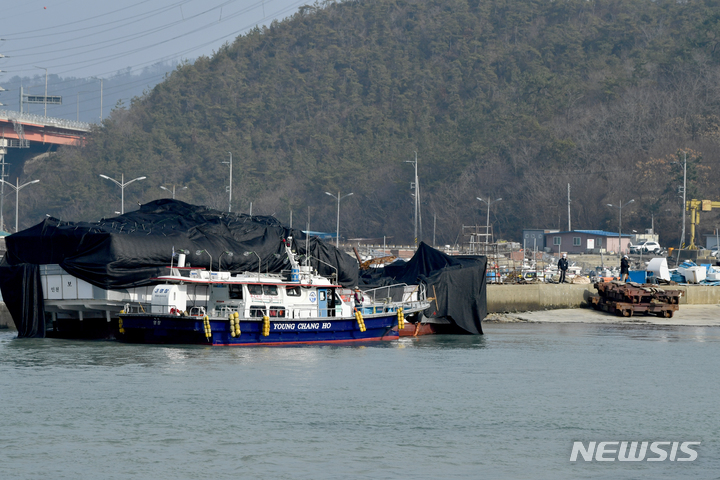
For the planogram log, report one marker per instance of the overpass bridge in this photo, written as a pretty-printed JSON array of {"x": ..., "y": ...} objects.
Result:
[{"x": 20, "y": 130}]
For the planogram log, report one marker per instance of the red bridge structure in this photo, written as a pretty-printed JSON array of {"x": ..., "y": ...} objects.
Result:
[
  {"x": 21, "y": 130},
  {"x": 24, "y": 136}
]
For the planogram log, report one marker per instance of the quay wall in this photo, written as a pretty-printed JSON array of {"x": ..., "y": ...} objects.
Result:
[
  {"x": 6, "y": 320},
  {"x": 549, "y": 296}
]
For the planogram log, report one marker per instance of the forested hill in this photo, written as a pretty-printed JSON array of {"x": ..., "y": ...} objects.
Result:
[{"x": 503, "y": 98}]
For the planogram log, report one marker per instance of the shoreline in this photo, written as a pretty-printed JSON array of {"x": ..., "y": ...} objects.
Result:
[{"x": 688, "y": 315}]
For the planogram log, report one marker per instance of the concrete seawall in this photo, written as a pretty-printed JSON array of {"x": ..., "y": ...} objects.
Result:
[
  {"x": 6, "y": 320},
  {"x": 548, "y": 296}
]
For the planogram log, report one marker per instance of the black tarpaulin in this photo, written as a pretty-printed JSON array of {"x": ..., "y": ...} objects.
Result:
[
  {"x": 22, "y": 292},
  {"x": 458, "y": 284},
  {"x": 130, "y": 250}
]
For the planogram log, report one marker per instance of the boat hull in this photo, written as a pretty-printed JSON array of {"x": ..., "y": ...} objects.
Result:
[{"x": 171, "y": 329}]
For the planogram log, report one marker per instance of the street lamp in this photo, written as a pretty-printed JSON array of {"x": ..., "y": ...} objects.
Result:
[
  {"x": 619, "y": 207},
  {"x": 487, "y": 224},
  {"x": 173, "y": 190},
  {"x": 228, "y": 253},
  {"x": 337, "y": 233},
  {"x": 259, "y": 261},
  {"x": 17, "y": 189},
  {"x": 199, "y": 252},
  {"x": 416, "y": 185},
  {"x": 229, "y": 188},
  {"x": 122, "y": 184}
]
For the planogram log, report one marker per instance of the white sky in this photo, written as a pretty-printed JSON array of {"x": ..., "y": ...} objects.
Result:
[{"x": 97, "y": 38}]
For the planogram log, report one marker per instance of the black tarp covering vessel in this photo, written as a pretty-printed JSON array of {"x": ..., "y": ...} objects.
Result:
[
  {"x": 131, "y": 250},
  {"x": 457, "y": 284}
]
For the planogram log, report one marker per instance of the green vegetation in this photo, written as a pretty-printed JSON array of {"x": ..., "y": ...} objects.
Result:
[{"x": 500, "y": 98}]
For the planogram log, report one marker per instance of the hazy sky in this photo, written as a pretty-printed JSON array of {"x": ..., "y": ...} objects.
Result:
[{"x": 97, "y": 38}]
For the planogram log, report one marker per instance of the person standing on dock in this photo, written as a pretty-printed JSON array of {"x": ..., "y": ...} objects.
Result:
[
  {"x": 624, "y": 268},
  {"x": 562, "y": 267}
]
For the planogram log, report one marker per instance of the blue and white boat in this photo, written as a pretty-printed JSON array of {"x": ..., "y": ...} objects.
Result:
[{"x": 298, "y": 306}]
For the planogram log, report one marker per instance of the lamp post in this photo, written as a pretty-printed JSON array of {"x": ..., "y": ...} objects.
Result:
[
  {"x": 229, "y": 188},
  {"x": 173, "y": 190},
  {"x": 17, "y": 187},
  {"x": 619, "y": 207},
  {"x": 337, "y": 233},
  {"x": 259, "y": 261},
  {"x": 122, "y": 184},
  {"x": 487, "y": 225},
  {"x": 416, "y": 186},
  {"x": 228, "y": 253},
  {"x": 199, "y": 252}
]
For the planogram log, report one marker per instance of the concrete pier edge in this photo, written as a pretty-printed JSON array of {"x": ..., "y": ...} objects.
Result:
[{"x": 549, "y": 296}]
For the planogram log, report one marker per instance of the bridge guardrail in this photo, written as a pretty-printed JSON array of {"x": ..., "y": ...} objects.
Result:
[{"x": 50, "y": 121}]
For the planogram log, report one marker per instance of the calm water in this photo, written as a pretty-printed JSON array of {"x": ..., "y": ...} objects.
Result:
[{"x": 506, "y": 405}]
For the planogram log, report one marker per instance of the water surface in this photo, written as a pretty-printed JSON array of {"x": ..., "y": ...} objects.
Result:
[{"x": 505, "y": 405}]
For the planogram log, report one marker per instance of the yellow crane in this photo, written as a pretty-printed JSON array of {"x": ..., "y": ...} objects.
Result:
[{"x": 695, "y": 207}]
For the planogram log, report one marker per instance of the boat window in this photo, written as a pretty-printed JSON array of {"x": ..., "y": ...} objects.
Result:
[
  {"x": 270, "y": 289},
  {"x": 277, "y": 311},
  {"x": 257, "y": 311},
  {"x": 235, "y": 292},
  {"x": 338, "y": 299},
  {"x": 322, "y": 295},
  {"x": 255, "y": 289},
  {"x": 293, "y": 291}
]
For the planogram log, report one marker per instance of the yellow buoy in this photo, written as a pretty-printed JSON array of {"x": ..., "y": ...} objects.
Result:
[
  {"x": 401, "y": 318},
  {"x": 266, "y": 326},
  {"x": 360, "y": 321}
]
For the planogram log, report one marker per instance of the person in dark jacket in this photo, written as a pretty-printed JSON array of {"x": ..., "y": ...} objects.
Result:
[
  {"x": 562, "y": 267},
  {"x": 624, "y": 268}
]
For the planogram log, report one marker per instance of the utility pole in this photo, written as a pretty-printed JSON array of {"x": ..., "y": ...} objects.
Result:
[
  {"x": 3, "y": 151},
  {"x": 434, "y": 226},
  {"x": 569, "y": 225},
  {"x": 337, "y": 232},
  {"x": 415, "y": 186},
  {"x": 1, "y": 89},
  {"x": 229, "y": 188},
  {"x": 684, "y": 205}
]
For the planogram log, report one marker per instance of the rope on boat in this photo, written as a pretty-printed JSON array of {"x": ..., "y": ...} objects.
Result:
[
  {"x": 401, "y": 318},
  {"x": 266, "y": 326},
  {"x": 360, "y": 321}
]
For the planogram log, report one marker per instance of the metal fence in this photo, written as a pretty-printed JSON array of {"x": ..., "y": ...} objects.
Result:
[{"x": 47, "y": 121}]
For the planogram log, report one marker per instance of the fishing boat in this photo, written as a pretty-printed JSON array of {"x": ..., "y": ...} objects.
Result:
[{"x": 296, "y": 306}]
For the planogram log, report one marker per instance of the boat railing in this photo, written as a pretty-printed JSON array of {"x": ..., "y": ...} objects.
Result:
[
  {"x": 139, "y": 307},
  {"x": 384, "y": 293}
]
